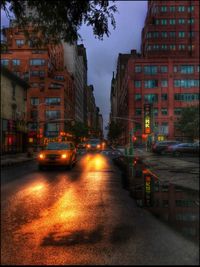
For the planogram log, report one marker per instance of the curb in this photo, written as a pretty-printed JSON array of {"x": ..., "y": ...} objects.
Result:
[{"x": 8, "y": 164}]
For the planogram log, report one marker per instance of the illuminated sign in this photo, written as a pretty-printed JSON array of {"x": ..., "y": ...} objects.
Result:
[
  {"x": 147, "y": 179},
  {"x": 30, "y": 140},
  {"x": 147, "y": 118}
]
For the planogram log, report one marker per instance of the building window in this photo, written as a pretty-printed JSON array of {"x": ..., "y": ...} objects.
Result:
[
  {"x": 138, "y": 111},
  {"x": 16, "y": 62},
  {"x": 155, "y": 112},
  {"x": 151, "y": 70},
  {"x": 37, "y": 62},
  {"x": 177, "y": 111},
  {"x": 164, "y": 34},
  {"x": 190, "y": 21},
  {"x": 186, "y": 97},
  {"x": 37, "y": 73},
  {"x": 138, "y": 97},
  {"x": 163, "y": 69},
  {"x": 157, "y": 21},
  {"x": 17, "y": 73},
  {"x": 55, "y": 86},
  {"x": 32, "y": 126},
  {"x": 181, "y": 21},
  {"x": 181, "y": 8},
  {"x": 137, "y": 84},
  {"x": 172, "y": 47},
  {"x": 163, "y": 97},
  {"x": 34, "y": 101},
  {"x": 190, "y": 8},
  {"x": 52, "y": 114},
  {"x": 59, "y": 78},
  {"x": 172, "y": 9},
  {"x": 181, "y": 34},
  {"x": 172, "y": 21},
  {"x": 52, "y": 127},
  {"x": 163, "y": 21},
  {"x": 198, "y": 68},
  {"x": 164, "y": 83},
  {"x": 52, "y": 100},
  {"x": 4, "y": 62},
  {"x": 163, "y": 9},
  {"x": 186, "y": 217},
  {"x": 185, "y": 203},
  {"x": 163, "y": 47},
  {"x": 187, "y": 69},
  {"x": 186, "y": 83},
  {"x": 151, "y": 98},
  {"x": 191, "y": 34},
  {"x": 19, "y": 42},
  {"x": 151, "y": 83},
  {"x": 156, "y": 47},
  {"x": 155, "y": 34},
  {"x": 138, "y": 68},
  {"x": 190, "y": 47},
  {"x": 165, "y": 188},
  {"x": 164, "y": 111},
  {"x": 181, "y": 47},
  {"x": 172, "y": 34},
  {"x": 34, "y": 85}
]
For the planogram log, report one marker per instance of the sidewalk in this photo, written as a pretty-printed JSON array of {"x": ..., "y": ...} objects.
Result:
[{"x": 14, "y": 159}]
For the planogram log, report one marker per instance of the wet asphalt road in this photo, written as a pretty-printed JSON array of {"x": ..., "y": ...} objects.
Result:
[{"x": 82, "y": 216}]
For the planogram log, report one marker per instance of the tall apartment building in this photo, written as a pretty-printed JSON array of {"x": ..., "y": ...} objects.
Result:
[
  {"x": 166, "y": 74},
  {"x": 75, "y": 60},
  {"x": 50, "y": 99}
]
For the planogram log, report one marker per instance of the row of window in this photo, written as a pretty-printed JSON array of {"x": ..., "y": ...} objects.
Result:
[
  {"x": 164, "y": 83},
  {"x": 171, "y": 47},
  {"x": 154, "y": 97},
  {"x": 170, "y": 34},
  {"x": 164, "y": 111},
  {"x": 48, "y": 126},
  {"x": 17, "y": 62},
  {"x": 154, "y": 69},
  {"x": 48, "y": 101},
  {"x": 174, "y": 21},
  {"x": 174, "y": 8},
  {"x": 49, "y": 114}
]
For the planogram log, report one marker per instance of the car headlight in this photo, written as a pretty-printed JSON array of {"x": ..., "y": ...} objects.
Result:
[
  {"x": 41, "y": 156},
  {"x": 88, "y": 146},
  {"x": 98, "y": 146},
  {"x": 64, "y": 156}
]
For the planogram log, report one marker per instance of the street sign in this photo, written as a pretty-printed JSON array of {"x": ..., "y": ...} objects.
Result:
[{"x": 147, "y": 119}]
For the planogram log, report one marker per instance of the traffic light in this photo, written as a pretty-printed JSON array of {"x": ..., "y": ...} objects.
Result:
[{"x": 134, "y": 138}]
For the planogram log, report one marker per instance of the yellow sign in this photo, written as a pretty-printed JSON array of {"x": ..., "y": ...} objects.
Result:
[
  {"x": 30, "y": 140},
  {"x": 147, "y": 124}
]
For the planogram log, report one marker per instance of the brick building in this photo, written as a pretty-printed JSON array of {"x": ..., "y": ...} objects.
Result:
[
  {"x": 166, "y": 74},
  {"x": 50, "y": 99}
]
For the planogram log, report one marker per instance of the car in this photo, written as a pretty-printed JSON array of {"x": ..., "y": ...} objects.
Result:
[
  {"x": 161, "y": 146},
  {"x": 183, "y": 149},
  {"x": 57, "y": 154},
  {"x": 81, "y": 145},
  {"x": 121, "y": 149},
  {"x": 94, "y": 145}
]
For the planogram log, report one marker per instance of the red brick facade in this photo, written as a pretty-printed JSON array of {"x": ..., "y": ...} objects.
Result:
[
  {"x": 166, "y": 74},
  {"x": 51, "y": 96}
]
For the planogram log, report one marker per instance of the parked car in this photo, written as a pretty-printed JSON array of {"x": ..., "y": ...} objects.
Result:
[
  {"x": 94, "y": 145},
  {"x": 121, "y": 149},
  {"x": 183, "y": 149},
  {"x": 161, "y": 146},
  {"x": 57, "y": 154}
]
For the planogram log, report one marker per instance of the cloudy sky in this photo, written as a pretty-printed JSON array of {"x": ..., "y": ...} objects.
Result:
[{"x": 102, "y": 55}]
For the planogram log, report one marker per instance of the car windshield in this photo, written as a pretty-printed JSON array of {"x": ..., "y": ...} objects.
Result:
[
  {"x": 94, "y": 141},
  {"x": 57, "y": 146}
]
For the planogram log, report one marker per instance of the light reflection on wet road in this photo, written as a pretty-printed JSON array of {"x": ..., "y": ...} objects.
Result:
[{"x": 83, "y": 216}]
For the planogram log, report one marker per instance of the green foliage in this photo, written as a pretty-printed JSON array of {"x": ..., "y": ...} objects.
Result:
[
  {"x": 60, "y": 20},
  {"x": 115, "y": 130},
  {"x": 188, "y": 123},
  {"x": 79, "y": 130}
]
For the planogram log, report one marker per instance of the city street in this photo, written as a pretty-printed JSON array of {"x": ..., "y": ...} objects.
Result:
[{"x": 82, "y": 216}]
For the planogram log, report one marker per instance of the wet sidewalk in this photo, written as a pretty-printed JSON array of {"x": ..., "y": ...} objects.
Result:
[{"x": 14, "y": 159}]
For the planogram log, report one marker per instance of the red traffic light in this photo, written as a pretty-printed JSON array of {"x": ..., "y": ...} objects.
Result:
[{"x": 134, "y": 138}]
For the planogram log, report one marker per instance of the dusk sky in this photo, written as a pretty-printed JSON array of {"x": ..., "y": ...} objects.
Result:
[{"x": 102, "y": 55}]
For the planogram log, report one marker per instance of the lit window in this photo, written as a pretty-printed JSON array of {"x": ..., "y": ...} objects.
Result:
[
  {"x": 181, "y": 8},
  {"x": 181, "y": 21},
  {"x": 164, "y": 83},
  {"x": 19, "y": 42},
  {"x": 16, "y": 62},
  {"x": 181, "y": 34}
]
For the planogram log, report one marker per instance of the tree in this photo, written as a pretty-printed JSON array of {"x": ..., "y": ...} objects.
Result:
[
  {"x": 188, "y": 123},
  {"x": 60, "y": 20},
  {"x": 115, "y": 130},
  {"x": 79, "y": 130}
]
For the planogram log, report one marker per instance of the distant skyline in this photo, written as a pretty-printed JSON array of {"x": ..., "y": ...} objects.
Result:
[{"x": 102, "y": 55}]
